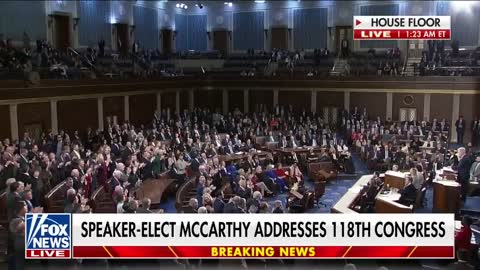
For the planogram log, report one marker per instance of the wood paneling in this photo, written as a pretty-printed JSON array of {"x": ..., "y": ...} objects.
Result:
[
  {"x": 67, "y": 88},
  {"x": 30, "y": 114},
  {"x": 5, "y": 130},
  {"x": 211, "y": 99},
  {"x": 168, "y": 101},
  {"x": 298, "y": 99},
  {"x": 221, "y": 39},
  {"x": 184, "y": 100},
  {"x": 329, "y": 99},
  {"x": 470, "y": 109},
  {"x": 114, "y": 106},
  {"x": 398, "y": 102},
  {"x": 279, "y": 37},
  {"x": 167, "y": 40},
  {"x": 142, "y": 108},
  {"x": 235, "y": 100},
  {"x": 256, "y": 98},
  {"x": 77, "y": 115},
  {"x": 441, "y": 107},
  {"x": 376, "y": 104}
]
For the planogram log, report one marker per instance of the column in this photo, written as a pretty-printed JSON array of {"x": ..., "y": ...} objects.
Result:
[
  {"x": 14, "y": 122},
  {"x": 126, "y": 108},
  {"x": 54, "y": 116},
  {"x": 455, "y": 115},
  {"x": 159, "y": 102},
  {"x": 245, "y": 101},
  {"x": 389, "y": 106},
  {"x": 100, "y": 113},
  {"x": 225, "y": 101},
  {"x": 275, "y": 98},
  {"x": 346, "y": 100},
  {"x": 426, "y": 107},
  {"x": 177, "y": 101},
  {"x": 191, "y": 99},
  {"x": 313, "y": 105}
]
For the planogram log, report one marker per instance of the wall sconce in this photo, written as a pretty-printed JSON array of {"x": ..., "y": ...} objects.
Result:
[
  {"x": 132, "y": 29},
  {"x": 50, "y": 20},
  {"x": 208, "y": 35},
  {"x": 75, "y": 22}
]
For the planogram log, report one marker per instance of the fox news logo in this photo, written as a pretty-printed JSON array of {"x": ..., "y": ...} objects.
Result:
[{"x": 48, "y": 236}]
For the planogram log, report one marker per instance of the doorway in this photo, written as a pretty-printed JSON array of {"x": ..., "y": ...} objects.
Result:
[
  {"x": 122, "y": 38},
  {"x": 61, "y": 31},
  {"x": 341, "y": 33},
  {"x": 279, "y": 38},
  {"x": 167, "y": 38},
  {"x": 220, "y": 41}
]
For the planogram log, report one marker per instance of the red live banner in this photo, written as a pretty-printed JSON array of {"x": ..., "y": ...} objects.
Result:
[
  {"x": 391, "y": 34},
  {"x": 159, "y": 252}
]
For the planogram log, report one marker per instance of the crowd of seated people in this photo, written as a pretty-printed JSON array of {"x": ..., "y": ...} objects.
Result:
[
  {"x": 436, "y": 60},
  {"x": 374, "y": 63},
  {"x": 44, "y": 58}
]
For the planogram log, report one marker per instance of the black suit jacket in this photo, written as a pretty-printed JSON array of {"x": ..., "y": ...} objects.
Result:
[
  {"x": 408, "y": 195},
  {"x": 463, "y": 169},
  {"x": 218, "y": 206}
]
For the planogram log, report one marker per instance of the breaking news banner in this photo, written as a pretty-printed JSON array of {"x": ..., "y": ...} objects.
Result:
[
  {"x": 401, "y": 27},
  {"x": 239, "y": 236}
]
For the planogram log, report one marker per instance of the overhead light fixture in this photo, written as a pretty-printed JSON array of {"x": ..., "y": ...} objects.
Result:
[
  {"x": 259, "y": 1},
  {"x": 230, "y": 4},
  {"x": 199, "y": 5},
  {"x": 181, "y": 5}
]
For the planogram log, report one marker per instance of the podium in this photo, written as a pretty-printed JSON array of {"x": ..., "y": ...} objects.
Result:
[
  {"x": 446, "y": 196},
  {"x": 395, "y": 179}
]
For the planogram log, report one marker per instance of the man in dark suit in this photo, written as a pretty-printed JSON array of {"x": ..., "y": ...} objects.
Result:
[
  {"x": 344, "y": 48},
  {"x": 24, "y": 162},
  {"x": 192, "y": 207},
  {"x": 460, "y": 125},
  {"x": 145, "y": 208},
  {"x": 23, "y": 175},
  {"x": 409, "y": 193},
  {"x": 195, "y": 164},
  {"x": 218, "y": 204},
  {"x": 474, "y": 129},
  {"x": 228, "y": 149},
  {"x": 463, "y": 170},
  {"x": 231, "y": 207}
]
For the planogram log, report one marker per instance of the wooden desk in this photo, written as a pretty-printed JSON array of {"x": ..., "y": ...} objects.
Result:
[
  {"x": 387, "y": 203},
  {"x": 395, "y": 179},
  {"x": 448, "y": 173},
  {"x": 473, "y": 186},
  {"x": 154, "y": 189},
  {"x": 239, "y": 157},
  {"x": 446, "y": 196},
  {"x": 343, "y": 205},
  {"x": 299, "y": 150}
]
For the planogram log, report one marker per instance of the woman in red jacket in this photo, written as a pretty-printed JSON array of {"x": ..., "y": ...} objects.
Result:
[{"x": 464, "y": 236}]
